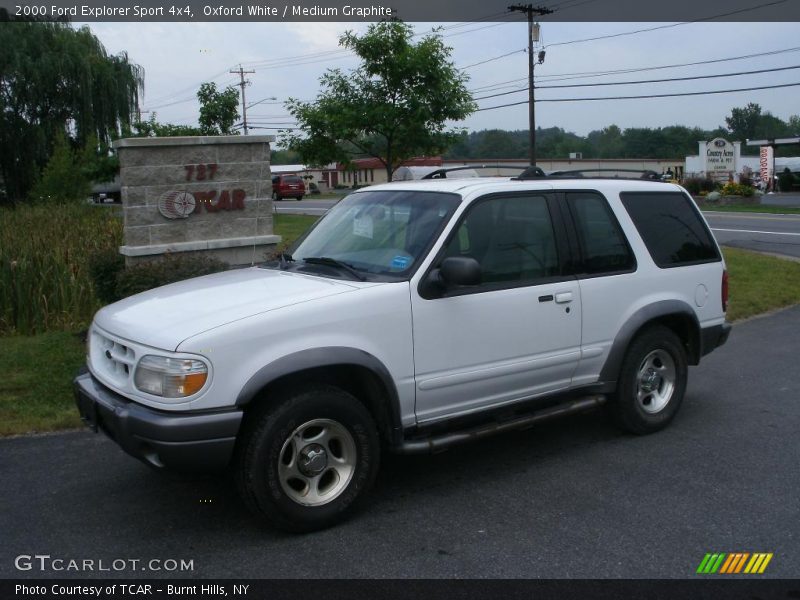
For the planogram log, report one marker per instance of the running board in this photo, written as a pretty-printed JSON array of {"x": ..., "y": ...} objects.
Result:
[{"x": 442, "y": 442}]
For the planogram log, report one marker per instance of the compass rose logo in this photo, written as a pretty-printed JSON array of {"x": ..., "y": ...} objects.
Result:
[{"x": 176, "y": 205}]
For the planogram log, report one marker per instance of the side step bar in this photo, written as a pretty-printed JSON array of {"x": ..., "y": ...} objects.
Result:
[{"x": 443, "y": 441}]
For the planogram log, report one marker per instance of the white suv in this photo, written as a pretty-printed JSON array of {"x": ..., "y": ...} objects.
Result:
[{"x": 411, "y": 317}]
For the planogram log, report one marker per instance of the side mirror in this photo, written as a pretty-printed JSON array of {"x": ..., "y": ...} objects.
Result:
[
  {"x": 454, "y": 271},
  {"x": 460, "y": 270}
]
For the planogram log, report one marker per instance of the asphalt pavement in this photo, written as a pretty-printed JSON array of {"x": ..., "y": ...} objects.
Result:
[
  {"x": 763, "y": 232},
  {"x": 567, "y": 499}
]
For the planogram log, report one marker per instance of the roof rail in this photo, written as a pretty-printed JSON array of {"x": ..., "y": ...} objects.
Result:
[
  {"x": 646, "y": 174},
  {"x": 442, "y": 173}
]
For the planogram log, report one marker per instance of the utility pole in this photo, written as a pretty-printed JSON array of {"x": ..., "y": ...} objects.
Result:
[
  {"x": 529, "y": 10},
  {"x": 242, "y": 83}
]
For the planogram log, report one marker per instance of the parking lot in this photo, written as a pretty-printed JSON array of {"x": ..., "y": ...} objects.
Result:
[{"x": 566, "y": 499}]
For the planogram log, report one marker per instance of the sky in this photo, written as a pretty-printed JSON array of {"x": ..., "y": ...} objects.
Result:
[{"x": 289, "y": 58}]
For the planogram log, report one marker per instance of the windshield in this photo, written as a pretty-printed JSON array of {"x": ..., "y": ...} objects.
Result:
[{"x": 380, "y": 232}]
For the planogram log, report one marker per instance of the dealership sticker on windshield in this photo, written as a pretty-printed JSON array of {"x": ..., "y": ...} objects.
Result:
[
  {"x": 400, "y": 262},
  {"x": 362, "y": 227}
]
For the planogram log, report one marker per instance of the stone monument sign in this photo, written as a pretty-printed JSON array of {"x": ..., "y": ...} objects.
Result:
[{"x": 209, "y": 195}]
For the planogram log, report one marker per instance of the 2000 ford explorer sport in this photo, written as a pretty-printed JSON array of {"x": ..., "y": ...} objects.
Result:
[{"x": 413, "y": 316}]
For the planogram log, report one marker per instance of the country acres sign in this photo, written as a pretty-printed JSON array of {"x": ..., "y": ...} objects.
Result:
[{"x": 720, "y": 156}]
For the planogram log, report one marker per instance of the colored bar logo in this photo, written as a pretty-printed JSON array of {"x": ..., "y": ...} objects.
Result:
[{"x": 733, "y": 563}]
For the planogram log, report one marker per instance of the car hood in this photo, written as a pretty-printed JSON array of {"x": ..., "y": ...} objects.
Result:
[{"x": 165, "y": 316}]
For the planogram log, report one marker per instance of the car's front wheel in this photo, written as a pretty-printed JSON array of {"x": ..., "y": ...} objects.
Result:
[
  {"x": 305, "y": 461},
  {"x": 652, "y": 382}
]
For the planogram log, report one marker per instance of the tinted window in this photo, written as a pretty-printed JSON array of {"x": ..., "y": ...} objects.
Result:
[
  {"x": 512, "y": 239},
  {"x": 292, "y": 179},
  {"x": 603, "y": 245},
  {"x": 670, "y": 227}
]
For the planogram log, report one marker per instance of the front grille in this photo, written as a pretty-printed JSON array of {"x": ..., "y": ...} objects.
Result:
[{"x": 111, "y": 358}]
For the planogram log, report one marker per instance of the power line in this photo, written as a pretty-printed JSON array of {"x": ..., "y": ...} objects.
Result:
[
  {"x": 748, "y": 89},
  {"x": 488, "y": 60},
  {"x": 704, "y": 19},
  {"x": 585, "y": 74},
  {"x": 646, "y": 96},
  {"x": 641, "y": 81}
]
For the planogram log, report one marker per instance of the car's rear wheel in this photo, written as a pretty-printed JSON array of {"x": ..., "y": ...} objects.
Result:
[
  {"x": 304, "y": 462},
  {"x": 652, "y": 382},
  {"x": 299, "y": 198},
  {"x": 276, "y": 197}
]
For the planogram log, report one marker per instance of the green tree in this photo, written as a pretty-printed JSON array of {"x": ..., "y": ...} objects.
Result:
[
  {"x": 152, "y": 128},
  {"x": 57, "y": 80},
  {"x": 218, "y": 110},
  {"x": 64, "y": 178},
  {"x": 608, "y": 142},
  {"x": 394, "y": 106},
  {"x": 742, "y": 122}
]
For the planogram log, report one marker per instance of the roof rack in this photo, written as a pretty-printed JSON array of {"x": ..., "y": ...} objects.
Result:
[
  {"x": 442, "y": 173},
  {"x": 646, "y": 174}
]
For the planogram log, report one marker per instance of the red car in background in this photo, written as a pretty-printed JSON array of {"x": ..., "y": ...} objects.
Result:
[{"x": 288, "y": 186}]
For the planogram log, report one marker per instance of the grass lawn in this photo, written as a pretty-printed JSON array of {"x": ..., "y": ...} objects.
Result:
[
  {"x": 291, "y": 227},
  {"x": 36, "y": 382},
  {"x": 36, "y": 371},
  {"x": 755, "y": 208},
  {"x": 760, "y": 283}
]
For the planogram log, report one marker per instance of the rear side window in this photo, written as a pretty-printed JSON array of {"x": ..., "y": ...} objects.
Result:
[
  {"x": 603, "y": 246},
  {"x": 671, "y": 228}
]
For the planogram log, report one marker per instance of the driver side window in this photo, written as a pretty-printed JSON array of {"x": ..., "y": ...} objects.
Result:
[{"x": 511, "y": 237}]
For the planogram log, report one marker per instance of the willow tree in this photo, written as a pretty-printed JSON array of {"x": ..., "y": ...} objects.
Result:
[
  {"x": 57, "y": 80},
  {"x": 396, "y": 105}
]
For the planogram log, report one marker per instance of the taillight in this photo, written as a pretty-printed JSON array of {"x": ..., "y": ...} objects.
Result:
[{"x": 725, "y": 291}]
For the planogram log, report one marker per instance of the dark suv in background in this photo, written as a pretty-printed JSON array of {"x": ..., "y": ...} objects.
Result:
[{"x": 288, "y": 186}]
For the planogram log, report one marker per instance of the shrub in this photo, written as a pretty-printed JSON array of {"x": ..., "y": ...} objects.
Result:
[
  {"x": 104, "y": 267},
  {"x": 785, "y": 180},
  {"x": 169, "y": 269},
  {"x": 697, "y": 185},
  {"x": 737, "y": 189}
]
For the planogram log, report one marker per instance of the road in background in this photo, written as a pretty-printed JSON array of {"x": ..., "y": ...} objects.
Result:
[
  {"x": 303, "y": 207},
  {"x": 573, "y": 498},
  {"x": 763, "y": 232}
]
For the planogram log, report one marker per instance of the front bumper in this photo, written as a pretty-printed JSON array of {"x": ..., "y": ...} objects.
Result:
[{"x": 186, "y": 441}]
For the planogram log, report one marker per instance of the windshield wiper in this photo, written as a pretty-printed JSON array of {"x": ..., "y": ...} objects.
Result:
[{"x": 332, "y": 262}]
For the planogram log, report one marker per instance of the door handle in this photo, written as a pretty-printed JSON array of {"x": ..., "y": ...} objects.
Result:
[{"x": 564, "y": 297}]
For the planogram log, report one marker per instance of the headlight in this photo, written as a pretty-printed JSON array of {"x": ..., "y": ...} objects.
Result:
[{"x": 170, "y": 377}]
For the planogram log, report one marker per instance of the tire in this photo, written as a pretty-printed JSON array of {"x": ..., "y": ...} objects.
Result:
[
  {"x": 276, "y": 197},
  {"x": 299, "y": 198},
  {"x": 652, "y": 382},
  {"x": 304, "y": 462}
]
